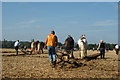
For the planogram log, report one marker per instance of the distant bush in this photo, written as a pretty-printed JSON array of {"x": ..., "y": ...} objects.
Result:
[{"x": 10, "y": 44}]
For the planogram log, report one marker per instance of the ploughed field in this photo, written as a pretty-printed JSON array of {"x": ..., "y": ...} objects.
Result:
[{"x": 38, "y": 66}]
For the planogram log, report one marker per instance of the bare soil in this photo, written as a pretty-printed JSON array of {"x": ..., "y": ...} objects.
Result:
[{"x": 38, "y": 66}]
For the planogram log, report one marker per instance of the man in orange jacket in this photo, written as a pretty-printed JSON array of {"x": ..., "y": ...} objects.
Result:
[{"x": 51, "y": 43}]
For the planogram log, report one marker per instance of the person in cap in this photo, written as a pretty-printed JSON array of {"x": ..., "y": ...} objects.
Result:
[{"x": 51, "y": 43}]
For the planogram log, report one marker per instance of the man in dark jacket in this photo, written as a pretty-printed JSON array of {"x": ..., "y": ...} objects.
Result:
[{"x": 101, "y": 47}]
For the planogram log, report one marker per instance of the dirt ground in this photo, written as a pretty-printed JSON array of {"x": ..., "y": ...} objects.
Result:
[{"x": 38, "y": 66}]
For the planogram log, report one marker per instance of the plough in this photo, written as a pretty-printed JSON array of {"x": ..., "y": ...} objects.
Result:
[
  {"x": 30, "y": 51},
  {"x": 63, "y": 56}
]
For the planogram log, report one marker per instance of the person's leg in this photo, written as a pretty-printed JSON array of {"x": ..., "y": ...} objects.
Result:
[
  {"x": 50, "y": 53},
  {"x": 17, "y": 51},
  {"x": 103, "y": 53},
  {"x": 100, "y": 54},
  {"x": 54, "y": 55},
  {"x": 16, "y": 48}
]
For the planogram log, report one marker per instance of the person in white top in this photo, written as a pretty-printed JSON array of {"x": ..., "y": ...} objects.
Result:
[
  {"x": 82, "y": 42},
  {"x": 16, "y": 45},
  {"x": 117, "y": 49}
]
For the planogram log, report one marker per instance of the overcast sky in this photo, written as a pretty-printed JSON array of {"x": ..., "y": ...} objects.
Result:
[{"x": 35, "y": 20}]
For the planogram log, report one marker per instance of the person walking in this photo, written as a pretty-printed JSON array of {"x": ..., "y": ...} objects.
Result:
[
  {"x": 101, "y": 47},
  {"x": 51, "y": 43},
  {"x": 16, "y": 46}
]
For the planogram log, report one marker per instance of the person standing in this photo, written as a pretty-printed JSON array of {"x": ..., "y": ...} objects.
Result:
[
  {"x": 117, "y": 49},
  {"x": 101, "y": 47},
  {"x": 51, "y": 43},
  {"x": 16, "y": 45}
]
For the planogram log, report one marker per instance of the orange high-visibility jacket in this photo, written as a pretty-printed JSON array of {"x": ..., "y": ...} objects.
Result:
[{"x": 51, "y": 40}]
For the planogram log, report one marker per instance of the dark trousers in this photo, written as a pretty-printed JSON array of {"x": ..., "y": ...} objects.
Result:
[
  {"x": 102, "y": 53},
  {"x": 16, "y": 48}
]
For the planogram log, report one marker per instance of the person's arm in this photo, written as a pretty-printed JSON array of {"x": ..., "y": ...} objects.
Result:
[
  {"x": 98, "y": 47},
  {"x": 19, "y": 44},
  {"x": 56, "y": 40},
  {"x": 46, "y": 41},
  {"x": 104, "y": 46}
]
